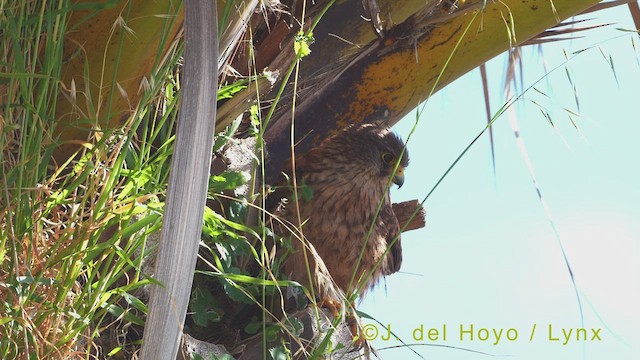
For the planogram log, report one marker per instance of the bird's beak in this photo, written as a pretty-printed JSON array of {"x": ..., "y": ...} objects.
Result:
[{"x": 398, "y": 179}]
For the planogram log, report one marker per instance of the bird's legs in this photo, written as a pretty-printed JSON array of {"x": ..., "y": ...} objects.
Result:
[
  {"x": 335, "y": 307},
  {"x": 356, "y": 332}
]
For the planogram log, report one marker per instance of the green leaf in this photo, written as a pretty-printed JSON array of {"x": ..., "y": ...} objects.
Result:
[
  {"x": 227, "y": 135},
  {"x": 135, "y": 302},
  {"x": 253, "y": 327},
  {"x": 271, "y": 332},
  {"x": 279, "y": 353},
  {"x": 115, "y": 351},
  {"x": 227, "y": 92},
  {"x": 237, "y": 277},
  {"x": 237, "y": 210},
  {"x": 234, "y": 291},
  {"x": 301, "y": 44},
  {"x": 228, "y": 180},
  {"x": 254, "y": 116},
  {"x": 294, "y": 325},
  {"x": 203, "y": 306},
  {"x": 118, "y": 311}
]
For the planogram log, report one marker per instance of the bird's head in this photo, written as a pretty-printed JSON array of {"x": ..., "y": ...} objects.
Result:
[
  {"x": 392, "y": 153},
  {"x": 381, "y": 150}
]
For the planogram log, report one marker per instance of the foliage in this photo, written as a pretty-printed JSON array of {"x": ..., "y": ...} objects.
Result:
[
  {"x": 73, "y": 233},
  {"x": 76, "y": 235}
]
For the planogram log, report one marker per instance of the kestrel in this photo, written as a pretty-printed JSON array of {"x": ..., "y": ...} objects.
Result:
[{"x": 343, "y": 212}]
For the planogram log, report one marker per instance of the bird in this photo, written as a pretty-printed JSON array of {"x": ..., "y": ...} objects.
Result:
[{"x": 335, "y": 202}]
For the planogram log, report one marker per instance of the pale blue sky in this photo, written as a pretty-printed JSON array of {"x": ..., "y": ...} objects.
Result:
[{"x": 488, "y": 256}]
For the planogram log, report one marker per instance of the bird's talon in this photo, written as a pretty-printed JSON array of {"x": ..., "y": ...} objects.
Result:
[
  {"x": 356, "y": 332},
  {"x": 334, "y": 306}
]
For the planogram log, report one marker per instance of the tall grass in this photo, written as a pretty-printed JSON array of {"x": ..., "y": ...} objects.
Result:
[
  {"x": 68, "y": 257},
  {"x": 74, "y": 234}
]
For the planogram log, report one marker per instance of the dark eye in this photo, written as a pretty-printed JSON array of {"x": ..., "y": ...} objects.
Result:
[{"x": 388, "y": 158}]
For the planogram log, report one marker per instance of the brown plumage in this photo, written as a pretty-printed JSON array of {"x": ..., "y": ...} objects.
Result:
[{"x": 341, "y": 184}]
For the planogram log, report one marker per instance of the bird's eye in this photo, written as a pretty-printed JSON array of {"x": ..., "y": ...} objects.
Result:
[{"x": 388, "y": 158}]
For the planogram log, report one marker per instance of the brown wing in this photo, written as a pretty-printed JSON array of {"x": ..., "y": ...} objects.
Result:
[{"x": 391, "y": 229}]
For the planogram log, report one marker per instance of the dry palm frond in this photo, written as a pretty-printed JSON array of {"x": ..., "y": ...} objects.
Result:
[
  {"x": 565, "y": 28},
  {"x": 571, "y": 27},
  {"x": 563, "y": 31},
  {"x": 608, "y": 4}
]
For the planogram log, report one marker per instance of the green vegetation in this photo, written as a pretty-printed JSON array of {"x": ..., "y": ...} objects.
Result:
[
  {"x": 75, "y": 236},
  {"x": 72, "y": 233}
]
